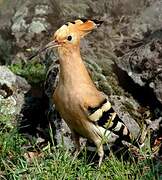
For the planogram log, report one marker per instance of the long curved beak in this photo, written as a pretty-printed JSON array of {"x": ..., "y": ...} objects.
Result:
[{"x": 50, "y": 45}]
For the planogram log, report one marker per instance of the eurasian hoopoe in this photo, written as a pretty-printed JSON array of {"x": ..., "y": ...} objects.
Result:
[{"x": 84, "y": 108}]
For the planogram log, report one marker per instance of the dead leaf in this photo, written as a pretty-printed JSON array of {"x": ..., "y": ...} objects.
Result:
[{"x": 30, "y": 156}]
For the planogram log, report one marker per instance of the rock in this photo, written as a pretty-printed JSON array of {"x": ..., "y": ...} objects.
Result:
[
  {"x": 149, "y": 19},
  {"x": 144, "y": 64},
  {"x": 12, "y": 90},
  {"x": 5, "y": 51},
  {"x": 29, "y": 23},
  {"x": 12, "y": 81}
]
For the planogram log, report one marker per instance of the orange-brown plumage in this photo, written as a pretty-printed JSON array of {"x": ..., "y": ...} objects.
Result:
[{"x": 76, "y": 94}]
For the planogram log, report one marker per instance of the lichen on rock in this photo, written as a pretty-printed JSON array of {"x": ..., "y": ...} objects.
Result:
[{"x": 12, "y": 90}]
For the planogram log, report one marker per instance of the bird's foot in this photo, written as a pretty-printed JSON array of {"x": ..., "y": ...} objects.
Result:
[{"x": 100, "y": 161}]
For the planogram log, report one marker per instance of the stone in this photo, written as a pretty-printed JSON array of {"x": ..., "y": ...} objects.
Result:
[
  {"x": 30, "y": 23},
  {"x": 14, "y": 89},
  {"x": 148, "y": 19},
  {"x": 144, "y": 64}
]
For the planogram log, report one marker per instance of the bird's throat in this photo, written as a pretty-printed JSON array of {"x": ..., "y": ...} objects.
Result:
[{"x": 72, "y": 68}]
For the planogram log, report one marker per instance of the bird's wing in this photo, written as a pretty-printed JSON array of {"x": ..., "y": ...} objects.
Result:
[{"x": 104, "y": 116}]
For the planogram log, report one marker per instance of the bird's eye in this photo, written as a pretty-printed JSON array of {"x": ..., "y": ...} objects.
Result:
[{"x": 69, "y": 38}]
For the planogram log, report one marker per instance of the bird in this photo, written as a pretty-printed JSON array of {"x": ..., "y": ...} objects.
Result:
[{"x": 86, "y": 110}]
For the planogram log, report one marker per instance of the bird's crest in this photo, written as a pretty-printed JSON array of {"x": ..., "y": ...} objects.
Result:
[{"x": 80, "y": 26}]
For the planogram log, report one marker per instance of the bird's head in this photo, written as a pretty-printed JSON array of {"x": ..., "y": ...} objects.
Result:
[{"x": 68, "y": 36}]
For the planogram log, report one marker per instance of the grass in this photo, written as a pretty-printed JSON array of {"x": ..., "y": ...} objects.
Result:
[
  {"x": 33, "y": 71},
  {"x": 16, "y": 163}
]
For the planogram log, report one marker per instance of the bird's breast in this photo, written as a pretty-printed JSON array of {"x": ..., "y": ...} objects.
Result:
[{"x": 68, "y": 104}]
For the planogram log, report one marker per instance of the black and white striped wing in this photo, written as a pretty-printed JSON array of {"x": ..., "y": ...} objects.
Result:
[{"x": 105, "y": 116}]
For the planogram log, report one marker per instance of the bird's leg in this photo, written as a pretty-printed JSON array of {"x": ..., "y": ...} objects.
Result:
[
  {"x": 101, "y": 155},
  {"x": 100, "y": 152},
  {"x": 76, "y": 139}
]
